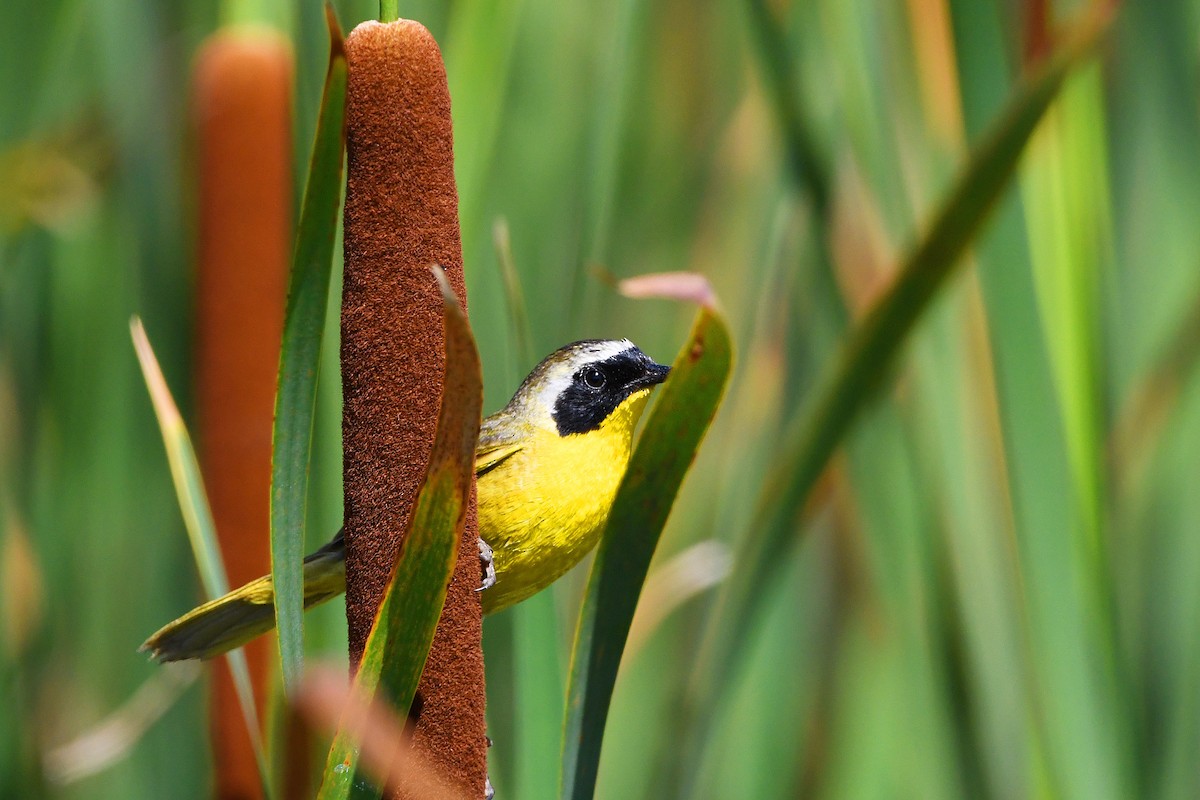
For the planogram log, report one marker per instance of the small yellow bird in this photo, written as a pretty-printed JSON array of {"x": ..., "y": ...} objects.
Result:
[{"x": 547, "y": 467}]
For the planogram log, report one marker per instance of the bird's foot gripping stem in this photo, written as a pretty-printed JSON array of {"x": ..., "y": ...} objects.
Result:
[{"x": 487, "y": 565}]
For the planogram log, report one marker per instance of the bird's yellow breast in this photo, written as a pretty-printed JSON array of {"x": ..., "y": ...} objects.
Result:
[{"x": 544, "y": 507}]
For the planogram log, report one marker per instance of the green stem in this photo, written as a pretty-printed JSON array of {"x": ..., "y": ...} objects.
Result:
[
  {"x": 779, "y": 68},
  {"x": 808, "y": 171},
  {"x": 271, "y": 13},
  {"x": 389, "y": 10}
]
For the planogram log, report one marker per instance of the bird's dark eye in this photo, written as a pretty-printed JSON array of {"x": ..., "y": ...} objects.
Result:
[{"x": 592, "y": 378}]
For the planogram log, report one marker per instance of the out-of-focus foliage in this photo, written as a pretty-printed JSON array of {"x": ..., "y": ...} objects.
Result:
[{"x": 994, "y": 592}]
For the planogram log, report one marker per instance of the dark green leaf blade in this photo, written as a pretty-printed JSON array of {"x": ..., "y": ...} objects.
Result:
[
  {"x": 399, "y": 642},
  {"x": 663, "y": 455},
  {"x": 299, "y": 360}
]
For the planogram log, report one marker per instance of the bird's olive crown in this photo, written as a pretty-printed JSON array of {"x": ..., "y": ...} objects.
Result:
[{"x": 600, "y": 376}]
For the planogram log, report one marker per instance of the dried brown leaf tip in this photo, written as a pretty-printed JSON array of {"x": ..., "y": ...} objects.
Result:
[
  {"x": 690, "y": 287},
  {"x": 328, "y": 701}
]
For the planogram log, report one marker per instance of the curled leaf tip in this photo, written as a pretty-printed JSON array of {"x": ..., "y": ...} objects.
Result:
[
  {"x": 337, "y": 42},
  {"x": 689, "y": 287},
  {"x": 160, "y": 395},
  {"x": 138, "y": 332},
  {"x": 448, "y": 295},
  {"x": 501, "y": 236}
]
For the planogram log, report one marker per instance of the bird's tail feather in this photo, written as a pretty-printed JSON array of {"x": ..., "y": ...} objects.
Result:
[{"x": 245, "y": 613}]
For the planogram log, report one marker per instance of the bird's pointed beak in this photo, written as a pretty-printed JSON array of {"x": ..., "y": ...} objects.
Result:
[{"x": 655, "y": 374}]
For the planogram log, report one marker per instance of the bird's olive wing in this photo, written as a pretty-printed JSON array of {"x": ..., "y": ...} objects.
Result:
[
  {"x": 499, "y": 438},
  {"x": 486, "y": 460}
]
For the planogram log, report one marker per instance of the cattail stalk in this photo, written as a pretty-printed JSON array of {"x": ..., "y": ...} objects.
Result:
[{"x": 401, "y": 216}]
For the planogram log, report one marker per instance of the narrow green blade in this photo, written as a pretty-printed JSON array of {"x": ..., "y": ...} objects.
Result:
[
  {"x": 664, "y": 452},
  {"x": 198, "y": 520},
  {"x": 299, "y": 360},
  {"x": 399, "y": 642}
]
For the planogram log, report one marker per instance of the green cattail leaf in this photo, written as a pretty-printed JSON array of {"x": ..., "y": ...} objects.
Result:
[
  {"x": 197, "y": 518},
  {"x": 299, "y": 360},
  {"x": 664, "y": 452}
]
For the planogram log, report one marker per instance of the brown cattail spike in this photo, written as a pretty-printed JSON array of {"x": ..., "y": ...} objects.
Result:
[
  {"x": 242, "y": 107},
  {"x": 401, "y": 217}
]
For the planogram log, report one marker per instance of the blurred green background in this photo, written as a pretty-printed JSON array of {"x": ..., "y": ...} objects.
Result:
[{"x": 994, "y": 593}]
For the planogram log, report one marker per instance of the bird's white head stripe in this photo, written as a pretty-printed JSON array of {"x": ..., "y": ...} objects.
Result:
[{"x": 557, "y": 374}]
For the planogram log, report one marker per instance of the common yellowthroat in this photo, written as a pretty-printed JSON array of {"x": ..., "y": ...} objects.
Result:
[{"x": 547, "y": 467}]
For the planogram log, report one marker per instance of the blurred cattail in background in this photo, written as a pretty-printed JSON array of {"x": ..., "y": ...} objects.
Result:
[{"x": 242, "y": 113}]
